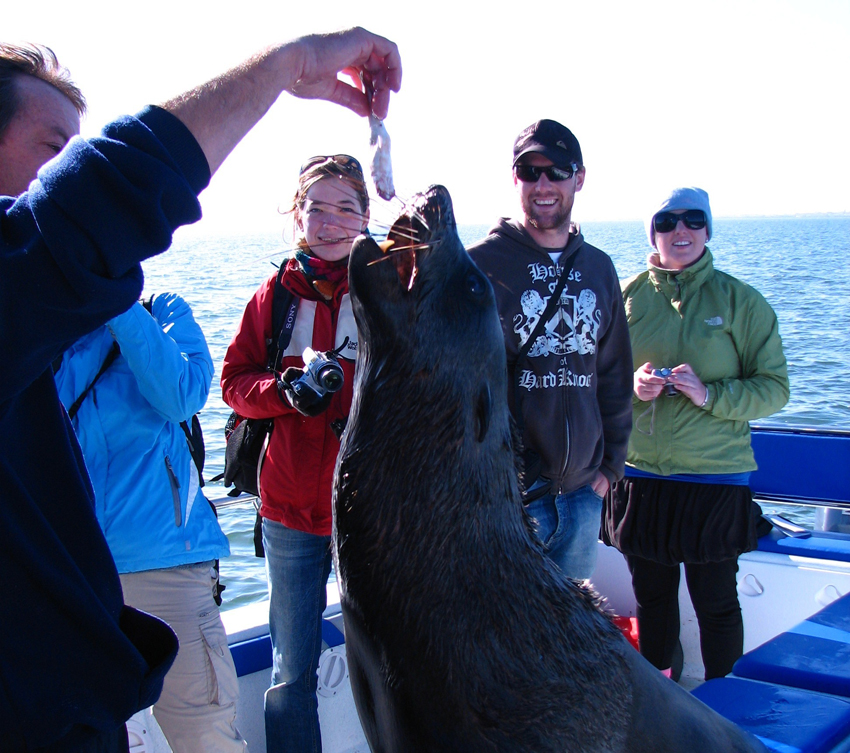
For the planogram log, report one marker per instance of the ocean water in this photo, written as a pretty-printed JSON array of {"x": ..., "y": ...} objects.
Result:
[{"x": 798, "y": 264}]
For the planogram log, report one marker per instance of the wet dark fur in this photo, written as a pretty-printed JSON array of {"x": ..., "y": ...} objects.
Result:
[{"x": 461, "y": 635}]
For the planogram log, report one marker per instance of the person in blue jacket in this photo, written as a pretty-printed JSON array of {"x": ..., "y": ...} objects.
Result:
[
  {"x": 75, "y": 661},
  {"x": 160, "y": 528}
]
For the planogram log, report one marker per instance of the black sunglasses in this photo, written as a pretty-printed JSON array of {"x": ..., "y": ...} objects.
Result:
[
  {"x": 665, "y": 222},
  {"x": 532, "y": 173}
]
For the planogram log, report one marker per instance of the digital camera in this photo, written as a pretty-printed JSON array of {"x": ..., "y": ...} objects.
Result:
[
  {"x": 669, "y": 389},
  {"x": 321, "y": 374}
]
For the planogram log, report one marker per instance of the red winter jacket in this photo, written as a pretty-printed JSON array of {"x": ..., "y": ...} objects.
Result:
[{"x": 297, "y": 474}]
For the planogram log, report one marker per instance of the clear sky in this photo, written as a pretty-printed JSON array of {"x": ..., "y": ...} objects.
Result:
[{"x": 745, "y": 98}]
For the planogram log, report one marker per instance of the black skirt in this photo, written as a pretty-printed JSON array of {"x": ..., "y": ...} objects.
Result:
[{"x": 680, "y": 521}]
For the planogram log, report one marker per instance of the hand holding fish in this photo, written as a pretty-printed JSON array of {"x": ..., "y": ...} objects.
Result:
[
  {"x": 359, "y": 54},
  {"x": 220, "y": 112}
]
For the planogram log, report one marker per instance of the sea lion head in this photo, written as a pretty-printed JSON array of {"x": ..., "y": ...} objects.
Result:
[{"x": 426, "y": 313}]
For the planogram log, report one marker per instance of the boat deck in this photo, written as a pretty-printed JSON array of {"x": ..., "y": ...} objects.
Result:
[{"x": 794, "y": 599}]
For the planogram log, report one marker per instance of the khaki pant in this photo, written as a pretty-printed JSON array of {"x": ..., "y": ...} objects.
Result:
[{"x": 197, "y": 708}]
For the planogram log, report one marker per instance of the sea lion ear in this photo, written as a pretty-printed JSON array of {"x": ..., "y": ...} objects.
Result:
[{"x": 482, "y": 412}]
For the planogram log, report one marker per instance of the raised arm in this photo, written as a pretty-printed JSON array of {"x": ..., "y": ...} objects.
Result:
[{"x": 222, "y": 111}]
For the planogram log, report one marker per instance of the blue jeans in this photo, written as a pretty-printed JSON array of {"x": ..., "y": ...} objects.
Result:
[
  {"x": 568, "y": 525},
  {"x": 297, "y": 566}
]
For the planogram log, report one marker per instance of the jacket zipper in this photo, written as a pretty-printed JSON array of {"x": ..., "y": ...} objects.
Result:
[
  {"x": 175, "y": 492},
  {"x": 564, "y": 401},
  {"x": 566, "y": 453}
]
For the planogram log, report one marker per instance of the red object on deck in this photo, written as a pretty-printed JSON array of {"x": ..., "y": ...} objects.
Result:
[{"x": 628, "y": 627}]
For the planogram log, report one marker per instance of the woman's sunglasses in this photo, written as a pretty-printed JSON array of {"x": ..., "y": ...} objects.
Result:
[
  {"x": 665, "y": 222},
  {"x": 349, "y": 164},
  {"x": 532, "y": 173}
]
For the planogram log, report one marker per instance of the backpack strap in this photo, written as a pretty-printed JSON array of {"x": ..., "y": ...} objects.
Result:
[
  {"x": 195, "y": 440},
  {"x": 194, "y": 437},
  {"x": 114, "y": 352}
]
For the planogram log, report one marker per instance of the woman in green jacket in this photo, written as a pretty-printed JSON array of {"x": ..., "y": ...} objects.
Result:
[{"x": 708, "y": 359}]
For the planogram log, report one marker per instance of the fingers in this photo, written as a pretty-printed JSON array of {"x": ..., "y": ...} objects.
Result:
[
  {"x": 688, "y": 383},
  {"x": 646, "y": 375},
  {"x": 354, "y": 53},
  {"x": 349, "y": 96},
  {"x": 383, "y": 69},
  {"x": 380, "y": 82},
  {"x": 647, "y": 386},
  {"x": 685, "y": 376},
  {"x": 600, "y": 484},
  {"x": 381, "y": 102}
]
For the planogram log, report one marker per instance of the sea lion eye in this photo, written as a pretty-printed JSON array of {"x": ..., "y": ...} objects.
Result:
[{"x": 475, "y": 284}]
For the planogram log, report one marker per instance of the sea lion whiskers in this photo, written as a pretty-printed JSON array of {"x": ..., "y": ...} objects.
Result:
[
  {"x": 402, "y": 242},
  {"x": 383, "y": 228},
  {"x": 403, "y": 250}
]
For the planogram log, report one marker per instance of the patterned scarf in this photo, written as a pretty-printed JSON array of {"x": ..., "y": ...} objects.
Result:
[{"x": 323, "y": 276}]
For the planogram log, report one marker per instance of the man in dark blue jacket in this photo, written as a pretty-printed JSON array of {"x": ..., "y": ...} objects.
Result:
[{"x": 75, "y": 663}]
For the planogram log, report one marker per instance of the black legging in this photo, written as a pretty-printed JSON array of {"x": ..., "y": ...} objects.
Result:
[{"x": 713, "y": 590}]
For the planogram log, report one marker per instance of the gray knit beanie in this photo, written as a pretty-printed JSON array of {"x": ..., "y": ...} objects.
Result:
[{"x": 678, "y": 199}]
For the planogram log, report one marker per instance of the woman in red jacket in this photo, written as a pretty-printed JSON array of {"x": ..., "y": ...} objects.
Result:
[{"x": 330, "y": 209}]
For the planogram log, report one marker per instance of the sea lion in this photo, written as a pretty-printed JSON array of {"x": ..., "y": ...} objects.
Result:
[{"x": 461, "y": 634}]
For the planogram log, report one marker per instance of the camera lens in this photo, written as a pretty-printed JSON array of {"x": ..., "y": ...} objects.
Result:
[{"x": 330, "y": 378}]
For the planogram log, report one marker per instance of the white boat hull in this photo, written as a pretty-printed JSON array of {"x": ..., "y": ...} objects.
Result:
[{"x": 776, "y": 592}]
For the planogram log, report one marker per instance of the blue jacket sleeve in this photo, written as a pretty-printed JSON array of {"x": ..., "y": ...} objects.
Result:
[{"x": 168, "y": 355}]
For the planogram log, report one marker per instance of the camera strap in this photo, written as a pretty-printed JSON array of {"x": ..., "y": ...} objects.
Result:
[
  {"x": 284, "y": 309},
  {"x": 335, "y": 353}
]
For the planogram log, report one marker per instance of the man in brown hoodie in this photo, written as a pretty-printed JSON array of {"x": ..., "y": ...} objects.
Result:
[{"x": 571, "y": 386}]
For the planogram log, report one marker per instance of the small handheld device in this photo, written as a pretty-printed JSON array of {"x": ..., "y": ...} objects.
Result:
[{"x": 669, "y": 389}]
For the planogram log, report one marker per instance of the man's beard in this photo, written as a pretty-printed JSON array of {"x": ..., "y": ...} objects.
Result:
[{"x": 548, "y": 221}]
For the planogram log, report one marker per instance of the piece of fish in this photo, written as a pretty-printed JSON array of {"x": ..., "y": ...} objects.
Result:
[{"x": 381, "y": 166}]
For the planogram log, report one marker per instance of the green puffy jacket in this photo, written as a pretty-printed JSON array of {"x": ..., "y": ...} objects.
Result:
[{"x": 729, "y": 334}]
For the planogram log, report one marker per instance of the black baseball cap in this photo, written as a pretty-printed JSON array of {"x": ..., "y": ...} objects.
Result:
[{"x": 552, "y": 140}]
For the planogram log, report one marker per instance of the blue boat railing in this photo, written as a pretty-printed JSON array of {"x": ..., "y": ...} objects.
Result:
[
  {"x": 807, "y": 465},
  {"x": 797, "y": 464}
]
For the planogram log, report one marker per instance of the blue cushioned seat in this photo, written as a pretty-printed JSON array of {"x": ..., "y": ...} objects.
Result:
[
  {"x": 786, "y": 720},
  {"x": 819, "y": 545},
  {"x": 814, "y": 654}
]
